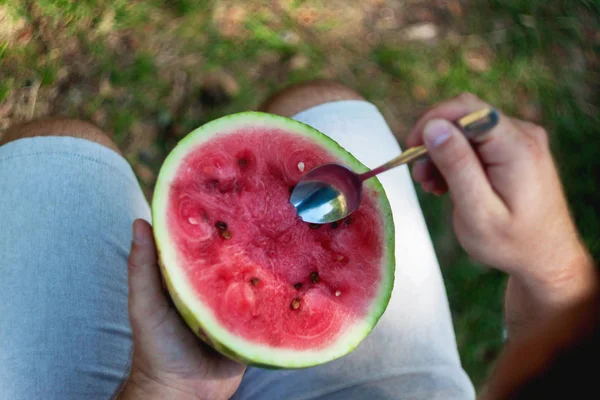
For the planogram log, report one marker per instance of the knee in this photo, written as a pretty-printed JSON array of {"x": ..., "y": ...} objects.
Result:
[
  {"x": 59, "y": 127},
  {"x": 302, "y": 96}
]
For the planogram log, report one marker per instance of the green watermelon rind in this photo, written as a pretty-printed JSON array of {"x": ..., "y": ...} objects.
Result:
[{"x": 198, "y": 316}]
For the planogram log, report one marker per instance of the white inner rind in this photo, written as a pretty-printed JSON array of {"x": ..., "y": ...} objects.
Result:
[{"x": 202, "y": 315}]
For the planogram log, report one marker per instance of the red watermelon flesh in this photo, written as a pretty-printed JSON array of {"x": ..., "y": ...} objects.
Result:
[{"x": 268, "y": 278}]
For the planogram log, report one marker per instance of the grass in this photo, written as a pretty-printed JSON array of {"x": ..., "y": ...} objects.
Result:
[{"x": 131, "y": 64}]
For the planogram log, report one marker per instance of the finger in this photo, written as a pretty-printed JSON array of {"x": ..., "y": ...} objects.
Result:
[
  {"x": 439, "y": 192},
  {"x": 511, "y": 156},
  {"x": 436, "y": 187},
  {"x": 453, "y": 110},
  {"x": 450, "y": 110},
  {"x": 535, "y": 133},
  {"x": 440, "y": 187},
  {"x": 505, "y": 151},
  {"x": 456, "y": 160},
  {"x": 145, "y": 291},
  {"x": 426, "y": 173},
  {"x": 423, "y": 170}
]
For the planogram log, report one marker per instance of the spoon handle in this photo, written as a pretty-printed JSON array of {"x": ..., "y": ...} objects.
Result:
[{"x": 472, "y": 125}]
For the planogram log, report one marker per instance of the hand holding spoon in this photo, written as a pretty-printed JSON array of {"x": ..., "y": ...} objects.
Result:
[{"x": 331, "y": 192}]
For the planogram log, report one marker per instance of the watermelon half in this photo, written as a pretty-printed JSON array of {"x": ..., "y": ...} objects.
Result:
[{"x": 246, "y": 273}]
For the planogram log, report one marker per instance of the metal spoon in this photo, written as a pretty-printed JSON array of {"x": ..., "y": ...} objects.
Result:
[{"x": 331, "y": 192}]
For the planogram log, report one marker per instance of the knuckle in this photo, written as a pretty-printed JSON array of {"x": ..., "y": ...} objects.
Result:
[
  {"x": 499, "y": 227},
  {"x": 540, "y": 135},
  {"x": 133, "y": 259},
  {"x": 537, "y": 141},
  {"x": 476, "y": 228},
  {"x": 428, "y": 115},
  {"x": 492, "y": 228},
  {"x": 486, "y": 222},
  {"x": 467, "y": 97},
  {"x": 132, "y": 264}
]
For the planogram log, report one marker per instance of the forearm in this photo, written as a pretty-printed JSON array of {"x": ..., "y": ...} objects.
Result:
[{"x": 528, "y": 301}]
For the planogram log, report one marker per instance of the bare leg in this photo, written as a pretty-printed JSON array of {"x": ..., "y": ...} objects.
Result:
[
  {"x": 297, "y": 98},
  {"x": 59, "y": 127},
  {"x": 67, "y": 202}
]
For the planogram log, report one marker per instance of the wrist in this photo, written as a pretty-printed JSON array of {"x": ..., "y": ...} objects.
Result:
[
  {"x": 572, "y": 279},
  {"x": 530, "y": 299},
  {"x": 140, "y": 386}
]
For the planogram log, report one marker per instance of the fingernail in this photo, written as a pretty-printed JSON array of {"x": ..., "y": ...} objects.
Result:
[
  {"x": 436, "y": 132},
  {"x": 138, "y": 236}
]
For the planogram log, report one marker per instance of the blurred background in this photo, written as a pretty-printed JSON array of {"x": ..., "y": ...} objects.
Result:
[{"x": 148, "y": 72}]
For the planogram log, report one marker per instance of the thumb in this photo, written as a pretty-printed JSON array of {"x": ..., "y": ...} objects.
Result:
[
  {"x": 458, "y": 163},
  {"x": 147, "y": 303}
]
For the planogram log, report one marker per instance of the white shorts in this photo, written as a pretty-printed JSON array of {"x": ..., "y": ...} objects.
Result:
[{"x": 66, "y": 208}]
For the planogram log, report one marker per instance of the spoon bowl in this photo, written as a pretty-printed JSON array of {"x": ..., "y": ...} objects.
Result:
[{"x": 327, "y": 193}]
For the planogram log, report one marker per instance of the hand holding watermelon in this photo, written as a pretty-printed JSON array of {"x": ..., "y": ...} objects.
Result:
[{"x": 169, "y": 361}]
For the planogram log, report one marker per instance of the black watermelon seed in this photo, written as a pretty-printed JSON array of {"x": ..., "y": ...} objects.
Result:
[
  {"x": 220, "y": 225},
  {"x": 314, "y": 277},
  {"x": 298, "y": 285}
]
